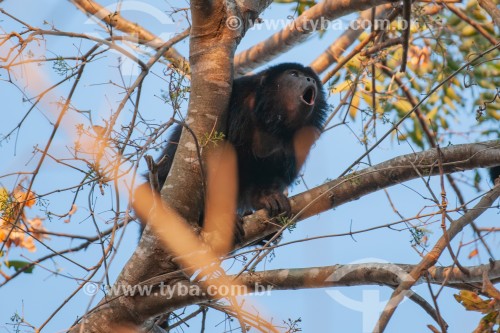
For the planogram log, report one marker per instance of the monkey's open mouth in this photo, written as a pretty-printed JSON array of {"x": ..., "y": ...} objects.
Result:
[{"x": 309, "y": 95}]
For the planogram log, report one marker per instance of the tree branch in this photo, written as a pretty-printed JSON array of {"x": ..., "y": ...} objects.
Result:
[
  {"x": 491, "y": 8},
  {"x": 431, "y": 258},
  {"x": 472, "y": 23},
  {"x": 143, "y": 36},
  {"x": 332, "y": 54},
  {"x": 357, "y": 184},
  {"x": 387, "y": 274},
  {"x": 212, "y": 46},
  {"x": 299, "y": 31}
]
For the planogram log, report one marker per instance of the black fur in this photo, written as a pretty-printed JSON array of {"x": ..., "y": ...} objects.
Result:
[
  {"x": 266, "y": 111},
  {"x": 494, "y": 173}
]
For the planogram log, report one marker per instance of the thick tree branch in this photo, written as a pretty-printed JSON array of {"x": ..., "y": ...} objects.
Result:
[
  {"x": 387, "y": 274},
  {"x": 357, "y": 184},
  {"x": 348, "y": 37},
  {"x": 336, "y": 49},
  {"x": 299, "y": 31},
  {"x": 212, "y": 45},
  {"x": 491, "y": 8},
  {"x": 143, "y": 36}
]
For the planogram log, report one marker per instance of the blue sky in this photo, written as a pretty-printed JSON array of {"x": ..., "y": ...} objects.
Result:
[{"x": 35, "y": 296}]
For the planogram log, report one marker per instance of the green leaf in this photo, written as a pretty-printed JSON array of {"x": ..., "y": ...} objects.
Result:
[
  {"x": 18, "y": 265},
  {"x": 450, "y": 103},
  {"x": 403, "y": 106},
  {"x": 432, "y": 113}
]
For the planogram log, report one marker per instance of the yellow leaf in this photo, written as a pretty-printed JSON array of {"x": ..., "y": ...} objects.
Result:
[
  {"x": 433, "y": 99},
  {"x": 353, "y": 109},
  {"x": 452, "y": 94},
  {"x": 478, "y": 15},
  {"x": 469, "y": 31},
  {"x": 4, "y": 196},
  {"x": 432, "y": 113},
  {"x": 344, "y": 86},
  {"x": 354, "y": 63},
  {"x": 403, "y": 105},
  {"x": 367, "y": 97},
  {"x": 472, "y": 302},
  {"x": 494, "y": 114},
  {"x": 449, "y": 102},
  {"x": 363, "y": 36}
]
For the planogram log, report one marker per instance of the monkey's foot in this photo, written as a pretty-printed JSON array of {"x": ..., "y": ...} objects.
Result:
[{"x": 276, "y": 203}]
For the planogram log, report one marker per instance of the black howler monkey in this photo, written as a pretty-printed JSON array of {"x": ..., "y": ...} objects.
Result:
[{"x": 274, "y": 117}]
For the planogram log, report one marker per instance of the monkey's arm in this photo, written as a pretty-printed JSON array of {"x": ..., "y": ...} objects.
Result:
[
  {"x": 271, "y": 197},
  {"x": 303, "y": 140}
]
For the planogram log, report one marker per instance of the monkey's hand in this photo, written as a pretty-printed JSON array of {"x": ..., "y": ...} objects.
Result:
[{"x": 275, "y": 203}]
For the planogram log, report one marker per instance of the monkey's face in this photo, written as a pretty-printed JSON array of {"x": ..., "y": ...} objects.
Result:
[
  {"x": 289, "y": 96},
  {"x": 297, "y": 91}
]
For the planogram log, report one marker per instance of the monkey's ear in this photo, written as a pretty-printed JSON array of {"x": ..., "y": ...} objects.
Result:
[{"x": 262, "y": 79}]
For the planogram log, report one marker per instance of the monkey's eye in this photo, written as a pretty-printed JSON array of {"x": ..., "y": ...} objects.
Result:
[{"x": 294, "y": 73}]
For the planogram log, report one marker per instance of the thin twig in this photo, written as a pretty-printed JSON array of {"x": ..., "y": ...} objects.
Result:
[
  {"x": 472, "y": 23},
  {"x": 431, "y": 258}
]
